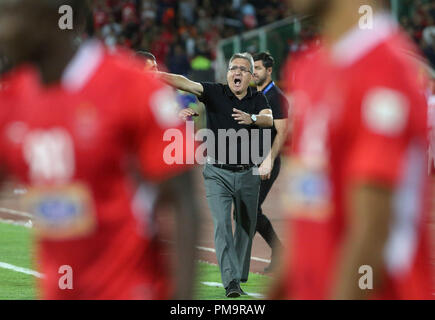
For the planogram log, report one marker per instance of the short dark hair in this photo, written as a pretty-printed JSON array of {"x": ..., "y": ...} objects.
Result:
[
  {"x": 266, "y": 58},
  {"x": 146, "y": 55}
]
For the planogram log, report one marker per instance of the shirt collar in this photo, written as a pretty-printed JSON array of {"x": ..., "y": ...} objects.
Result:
[
  {"x": 358, "y": 42},
  {"x": 83, "y": 65},
  {"x": 269, "y": 85}
]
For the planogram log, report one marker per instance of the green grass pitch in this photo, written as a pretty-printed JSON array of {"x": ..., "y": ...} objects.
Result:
[{"x": 16, "y": 249}]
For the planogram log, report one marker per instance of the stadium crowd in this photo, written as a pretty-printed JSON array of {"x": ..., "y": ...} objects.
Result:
[
  {"x": 183, "y": 35},
  {"x": 177, "y": 32},
  {"x": 418, "y": 19}
]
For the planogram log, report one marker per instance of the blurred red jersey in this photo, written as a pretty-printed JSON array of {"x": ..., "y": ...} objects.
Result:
[
  {"x": 359, "y": 116},
  {"x": 431, "y": 125},
  {"x": 70, "y": 143}
]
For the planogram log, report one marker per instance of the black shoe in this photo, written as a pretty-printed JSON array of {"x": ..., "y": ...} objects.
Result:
[{"x": 233, "y": 290}]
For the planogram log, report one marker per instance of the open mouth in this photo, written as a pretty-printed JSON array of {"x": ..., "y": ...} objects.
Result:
[{"x": 237, "y": 82}]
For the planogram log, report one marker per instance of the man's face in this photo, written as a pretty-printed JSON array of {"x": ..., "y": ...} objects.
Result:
[
  {"x": 261, "y": 73},
  {"x": 239, "y": 75},
  {"x": 151, "y": 65}
]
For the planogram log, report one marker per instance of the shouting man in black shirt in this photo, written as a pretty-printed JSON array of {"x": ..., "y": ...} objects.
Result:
[
  {"x": 270, "y": 167},
  {"x": 235, "y": 113}
]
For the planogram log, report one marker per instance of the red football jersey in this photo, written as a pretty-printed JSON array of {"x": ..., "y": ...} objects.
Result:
[
  {"x": 359, "y": 116},
  {"x": 431, "y": 124},
  {"x": 70, "y": 143}
]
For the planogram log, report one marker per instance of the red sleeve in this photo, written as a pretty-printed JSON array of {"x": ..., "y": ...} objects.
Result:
[
  {"x": 164, "y": 146},
  {"x": 161, "y": 138},
  {"x": 375, "y": 158},
  {"x": 388, "y": 122}
]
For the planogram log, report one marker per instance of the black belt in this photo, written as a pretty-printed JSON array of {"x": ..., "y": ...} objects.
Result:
[{"x": 234, "y": 167}]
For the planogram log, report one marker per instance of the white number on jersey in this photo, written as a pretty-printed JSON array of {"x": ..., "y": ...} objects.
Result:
[{"x": 49, "y": 155}]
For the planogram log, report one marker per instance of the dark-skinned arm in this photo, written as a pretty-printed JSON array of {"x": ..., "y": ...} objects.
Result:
[
  {"x": 370, "y": 207},
  {"x": 181, "y": 198}
]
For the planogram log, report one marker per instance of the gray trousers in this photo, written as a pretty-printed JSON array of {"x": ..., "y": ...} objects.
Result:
[{"x": 223, "y": 188}]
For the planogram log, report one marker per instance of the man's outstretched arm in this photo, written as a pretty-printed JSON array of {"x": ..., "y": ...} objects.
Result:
[{"x": 182, "y": 83}]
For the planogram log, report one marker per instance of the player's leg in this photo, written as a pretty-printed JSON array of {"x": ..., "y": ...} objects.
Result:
[
  {"x": 219, "y": 197},
  {"x": 245, "y": 213}
]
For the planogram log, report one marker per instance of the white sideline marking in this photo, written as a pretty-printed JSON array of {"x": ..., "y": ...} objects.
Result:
[
  {"x": 27, "y": 224},
  {"x": 21, "y": 270},
  {"x": 39, "y": 275},
  {"x": 29, "y": 216},
  {"x": 252, "y": 258},
  {"x": 16, "y": 213},
  {"x": 20, "y": 191},
  {"x": 220, "y": 285}
]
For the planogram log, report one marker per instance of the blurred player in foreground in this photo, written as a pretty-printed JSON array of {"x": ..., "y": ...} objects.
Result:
[
  {"x": 357, "y": 185},
  {"x": 431, "y": 121},
  {"x": 69, "y": 139}
]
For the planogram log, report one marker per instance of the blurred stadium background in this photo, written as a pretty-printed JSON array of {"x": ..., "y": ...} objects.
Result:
[{"x": 196, "y": 38}]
